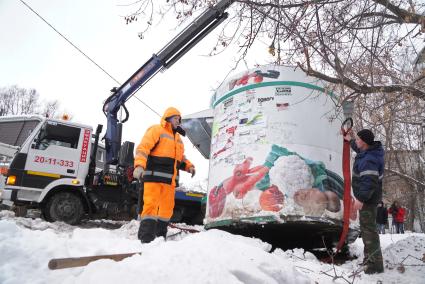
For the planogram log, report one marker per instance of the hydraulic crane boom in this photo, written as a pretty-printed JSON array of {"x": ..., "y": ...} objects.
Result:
[{"x": 172, "y": 52}]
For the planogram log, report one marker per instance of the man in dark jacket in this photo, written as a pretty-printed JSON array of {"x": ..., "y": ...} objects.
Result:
[
  {"x": 368, "y": 170},
  {"x": 381, "y": 217}
]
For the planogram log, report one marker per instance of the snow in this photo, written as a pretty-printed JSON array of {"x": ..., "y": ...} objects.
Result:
[{"x": 214, "y": 256}]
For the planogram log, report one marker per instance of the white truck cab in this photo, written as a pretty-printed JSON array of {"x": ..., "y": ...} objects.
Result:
[
  {"x": 57, "y": 167},
  {"x": 54, "y": 157}
]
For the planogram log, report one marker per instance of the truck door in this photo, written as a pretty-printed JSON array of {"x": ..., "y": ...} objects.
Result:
[{"x": 53, "y": 154}]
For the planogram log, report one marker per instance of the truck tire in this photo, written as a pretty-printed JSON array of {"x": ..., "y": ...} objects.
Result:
[{"x": 65, "y": 207}]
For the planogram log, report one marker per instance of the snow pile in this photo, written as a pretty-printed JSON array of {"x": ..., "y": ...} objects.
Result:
[
  {"x": 406, "y": 255},
  {"x": 291, "y": 173},
  {"x": 211, "y": 256},
  {"x": 194, "y": 186},
  {"x": 166, "y": 263}
]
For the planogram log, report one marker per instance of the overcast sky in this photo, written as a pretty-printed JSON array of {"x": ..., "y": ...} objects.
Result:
[{"x": 32, "y": 55}]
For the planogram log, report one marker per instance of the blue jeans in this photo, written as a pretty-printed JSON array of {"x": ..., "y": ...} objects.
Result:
[
  {"x": 399, "y": 227},
  {"x": 380, "y": 228}
]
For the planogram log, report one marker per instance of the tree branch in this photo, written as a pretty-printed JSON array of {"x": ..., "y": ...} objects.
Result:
[
  {"x": 406, "y": 16},
  {"x": 407, "y": 177}
]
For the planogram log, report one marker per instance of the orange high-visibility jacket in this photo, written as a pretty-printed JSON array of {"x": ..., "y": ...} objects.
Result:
[{"x": 161, "y": 152}]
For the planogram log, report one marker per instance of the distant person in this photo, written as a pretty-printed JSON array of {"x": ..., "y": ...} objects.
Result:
[
  {"x": 398, "y": 213},
  {"x": 159, "y": 157},
  {"x": 368, "y": 170},
  {"x": 381, "y": 217}
]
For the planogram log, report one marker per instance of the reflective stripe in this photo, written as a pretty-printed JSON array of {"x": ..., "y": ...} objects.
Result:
[
  {"x": 164, "y": 219},
  {"x": 149, "y": 217},
  {"x": 160, "y": 174},
  {"x": 43, "y": 174},
  {"x": 364, "y": 173},
  {"x": 194, "y": 194},
  {"x": 369, "y": 172},
  {"x": 140, "y": 153},
  {"x": 165, "y": 135}
]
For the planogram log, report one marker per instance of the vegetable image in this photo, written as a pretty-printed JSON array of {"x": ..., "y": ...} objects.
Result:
[
  {"x": 271, "y": 199},
  {"x": 216, "y": 201},
  {"x": 244, "y": 178},
  {"x": 312, "y": 200},
  {"x": 248, "y": 179},
  {"x": 291, "y": 173},
  {"x": 334, "y": 204}
]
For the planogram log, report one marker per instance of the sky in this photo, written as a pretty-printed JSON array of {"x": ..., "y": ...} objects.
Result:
[
  {"x": 214, "y": 256},
  {"x": 32, "y": 55}
]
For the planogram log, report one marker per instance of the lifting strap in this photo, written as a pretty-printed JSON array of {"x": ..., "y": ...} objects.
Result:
[{"x": 347, "y": 183}]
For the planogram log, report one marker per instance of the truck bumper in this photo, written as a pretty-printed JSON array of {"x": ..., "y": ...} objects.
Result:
[
  {"x": 20, "y": 194},
  {"x": 6, "y": 197}
]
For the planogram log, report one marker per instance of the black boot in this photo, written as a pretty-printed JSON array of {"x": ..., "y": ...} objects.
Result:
[
  {"x": 161, "y": 229},
  {"x": 147, "y": 230},
  {"x": 373, "y": 268}
]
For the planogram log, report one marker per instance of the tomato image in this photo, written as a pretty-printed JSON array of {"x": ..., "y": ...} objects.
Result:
[
  {"x": 258, "y": 79},
  {"x": 271, "y": 199},
  {"x": 216, "y": 201}
]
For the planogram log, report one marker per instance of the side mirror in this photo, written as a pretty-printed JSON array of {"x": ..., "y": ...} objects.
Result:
[{"x": 35, "y": 142}]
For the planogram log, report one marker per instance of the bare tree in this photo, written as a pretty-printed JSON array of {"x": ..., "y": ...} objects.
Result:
[
  {"x": 357, "y": 45},
  {"x": 397, "y": 121},
  {"x": 21, "y": 101},
  {"x": 364, "y": 49}
]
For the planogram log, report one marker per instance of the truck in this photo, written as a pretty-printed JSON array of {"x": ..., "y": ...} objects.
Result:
[{"x": 54, "y": 169}]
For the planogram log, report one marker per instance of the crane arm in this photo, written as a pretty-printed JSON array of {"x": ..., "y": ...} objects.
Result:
[{"x": 171, "y": 53}]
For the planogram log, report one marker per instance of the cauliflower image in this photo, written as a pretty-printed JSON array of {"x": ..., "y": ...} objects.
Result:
[{"x": 291, "y": 173}]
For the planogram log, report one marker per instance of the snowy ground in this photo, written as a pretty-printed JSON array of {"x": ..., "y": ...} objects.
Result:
[{"x": 213, "y": 256}]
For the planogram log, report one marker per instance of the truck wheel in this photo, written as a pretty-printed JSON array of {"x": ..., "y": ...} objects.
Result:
[{"x": 65, "y": 207}]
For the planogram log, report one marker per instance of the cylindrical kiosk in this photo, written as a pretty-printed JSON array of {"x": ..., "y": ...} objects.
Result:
[{"x": 276, "y": 159}]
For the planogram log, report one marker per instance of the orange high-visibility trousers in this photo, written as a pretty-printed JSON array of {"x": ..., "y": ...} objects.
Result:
[{"x": 158, "y": 201}]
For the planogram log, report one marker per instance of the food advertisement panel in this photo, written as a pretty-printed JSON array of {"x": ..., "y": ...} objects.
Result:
[{"x": 276, "y": 148}]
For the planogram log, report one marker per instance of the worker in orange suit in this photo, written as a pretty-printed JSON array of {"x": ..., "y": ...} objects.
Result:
[{"x": 159, "y": 157}]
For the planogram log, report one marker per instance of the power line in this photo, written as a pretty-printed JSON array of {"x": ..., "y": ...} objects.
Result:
[{"x": 85, "y": 55}]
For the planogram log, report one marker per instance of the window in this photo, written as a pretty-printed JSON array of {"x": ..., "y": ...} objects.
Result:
[
  {"x": 59, "y": 135},
  {"x": 14, "y": 132}
]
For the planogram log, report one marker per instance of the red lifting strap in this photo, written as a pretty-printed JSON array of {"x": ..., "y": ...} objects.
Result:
[{"x": 347, "y": 184}]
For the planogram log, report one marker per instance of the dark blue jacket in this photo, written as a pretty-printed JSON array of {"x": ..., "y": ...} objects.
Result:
[{"x": 368, "y": 171}]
